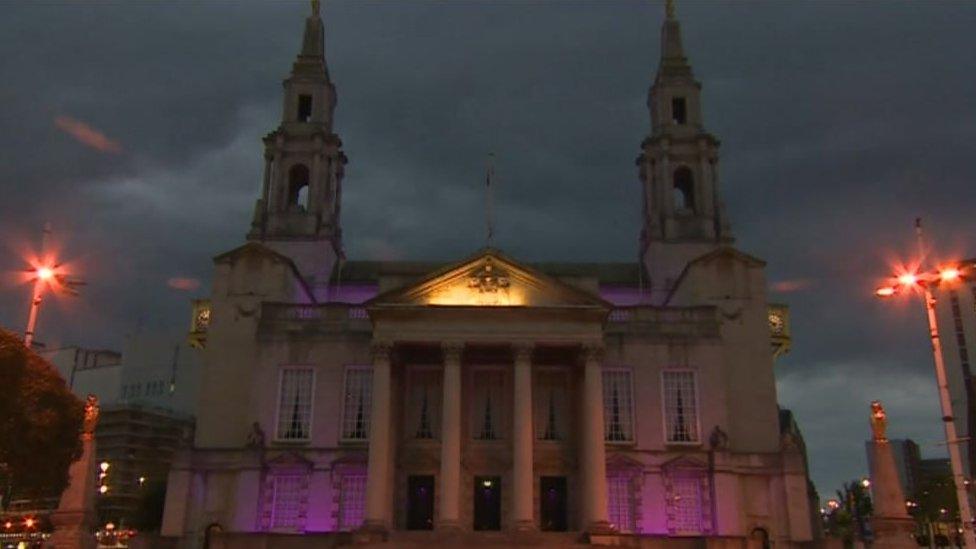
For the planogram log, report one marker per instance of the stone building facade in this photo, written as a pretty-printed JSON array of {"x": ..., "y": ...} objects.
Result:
[{"x": 612, "y": 401}]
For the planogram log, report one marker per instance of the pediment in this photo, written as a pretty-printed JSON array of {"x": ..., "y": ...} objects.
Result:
[
  {"x": 683, "y": 462},
  {"x": 489, "y": 279}
]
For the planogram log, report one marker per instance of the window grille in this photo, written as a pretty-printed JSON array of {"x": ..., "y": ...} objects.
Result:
[
  {"x": 357, "y": 403},
  {"x": 620, "y": 503},
  {"x": 287, "y": 508},
  {"x": 352, "y": 501},
  {"x": 617, "y": 406},
  {"x": 685, "y": 507},
  {"x": 680, "y": 406},
  {"x": 489, "y": 391},
  {"x": 295, "y": 404},
  {"x": 550, "y": 398},
  {"x": 425, "y": 397}
]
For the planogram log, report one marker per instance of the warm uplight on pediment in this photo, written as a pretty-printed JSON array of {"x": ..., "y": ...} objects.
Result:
[{"x": 487, "y": 286}]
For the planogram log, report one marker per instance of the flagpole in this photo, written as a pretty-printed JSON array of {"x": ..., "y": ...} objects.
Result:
[{"x": 489, "y": 229}]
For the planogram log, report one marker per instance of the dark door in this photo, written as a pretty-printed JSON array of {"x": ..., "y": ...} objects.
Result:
[
  {"x": 487, "y": 503},
  {"x": 552, "y": 495},
  {"x": 420, "y": 502}
]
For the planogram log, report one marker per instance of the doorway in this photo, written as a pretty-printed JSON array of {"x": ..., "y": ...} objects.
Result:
[
  {"x": 487, "y": 503},
  {"x": 420, "y": 502},
  {"x": 552, "y": 495}
]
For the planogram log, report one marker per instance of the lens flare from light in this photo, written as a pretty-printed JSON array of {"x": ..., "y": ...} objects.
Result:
[
  {"x": 45, "y": 273},
  {"x": 948, "y": 275}
]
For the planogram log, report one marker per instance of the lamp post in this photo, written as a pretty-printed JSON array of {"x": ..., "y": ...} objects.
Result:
[
  {"x": 922, "y": 283},
  {"x": 46, "y": 274}
]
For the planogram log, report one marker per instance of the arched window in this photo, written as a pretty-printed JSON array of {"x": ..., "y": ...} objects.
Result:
[
  {"x": 684, "y": 189},
  {"x": 298, "y": 186}
]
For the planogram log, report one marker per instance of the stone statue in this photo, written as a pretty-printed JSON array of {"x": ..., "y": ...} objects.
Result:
[
  {"x": 255, "y": 439},
  {"x": 879, "y": 421},
  {"x": 719, "y": 439},
  {"x": 91, "y": 415}
]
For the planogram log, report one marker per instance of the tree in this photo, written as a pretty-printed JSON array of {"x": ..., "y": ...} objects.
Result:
[
  {"x": 849, "y": 521},
  {"x": 39, "y": 422}
]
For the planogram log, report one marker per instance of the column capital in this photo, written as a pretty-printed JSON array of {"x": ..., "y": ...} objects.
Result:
[
  {"x": 381, "y": 350},
  {"x": 522, "y": 352},
  {"x": 593, "y": 350},
  {"x": 452, "y": 351}
]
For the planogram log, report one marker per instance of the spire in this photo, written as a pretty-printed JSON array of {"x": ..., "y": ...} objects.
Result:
[
  {"x": 673, "y": 60},
  {"x": 311, "y": 59}
]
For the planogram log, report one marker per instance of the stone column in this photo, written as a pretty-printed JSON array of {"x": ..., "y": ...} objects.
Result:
[
  {"x": 592, "y": 457},
  {"x": 378, "y": 495},
  {"x": 75, "y": 517},
  {"x": 522, "y": 441},
  {"x": 450, "y": 479}
]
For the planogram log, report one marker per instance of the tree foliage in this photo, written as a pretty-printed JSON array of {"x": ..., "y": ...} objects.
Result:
[
  {"x": 849, "y": 521},
  {"x": 39, "y": 422}
]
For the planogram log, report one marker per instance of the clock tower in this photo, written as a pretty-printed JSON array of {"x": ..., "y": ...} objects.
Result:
[
  {"x": 683, "y": 215},
  {"x": 298, "y": 211}
]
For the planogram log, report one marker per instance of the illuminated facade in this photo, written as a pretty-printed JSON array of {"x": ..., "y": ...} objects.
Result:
[{"x": 361, "y": 400}]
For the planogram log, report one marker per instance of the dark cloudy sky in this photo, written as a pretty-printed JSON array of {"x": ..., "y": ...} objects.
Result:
[{"x": 135, "y": 127}]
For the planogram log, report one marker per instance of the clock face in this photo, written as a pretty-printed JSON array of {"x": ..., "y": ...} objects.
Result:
[
  {"x": 203, "y": 318},
  {"x": 776, "y": 323}
]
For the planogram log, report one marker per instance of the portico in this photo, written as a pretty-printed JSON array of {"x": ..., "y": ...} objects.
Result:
[{"x": 486, "y": 347}]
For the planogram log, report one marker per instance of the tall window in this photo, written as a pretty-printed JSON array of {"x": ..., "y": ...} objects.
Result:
[
  {"x": 424, "y": 403},
  {"x": 352, "y": 500},
  {"x": 357, "y": 401},
  {"x": 489, "y": 388},
  {"x": 617, "y": 406},
  {"x": 295, "y": 404},
  {"x": 680, "y": 406},
  {"x": 550, "y": 401},
  {"x": 620, "y": 503},
  {"x": 287, "y": 507}
]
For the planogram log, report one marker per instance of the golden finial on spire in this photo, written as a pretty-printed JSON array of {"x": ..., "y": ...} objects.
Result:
[
  {"x": 315, "y": 7},
  {"x": 669, "y": 9}
]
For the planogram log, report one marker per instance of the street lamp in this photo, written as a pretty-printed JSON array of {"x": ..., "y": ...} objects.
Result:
[
  {"x": 922, "y": 283},
  {"x": 45, "y": 273}
]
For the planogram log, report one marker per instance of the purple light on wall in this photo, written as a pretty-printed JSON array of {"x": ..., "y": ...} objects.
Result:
[
  {"x": 623, "y": 296},
  {"x": 349, "y": 293}
]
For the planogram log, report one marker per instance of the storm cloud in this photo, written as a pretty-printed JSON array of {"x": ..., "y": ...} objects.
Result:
[{"x": 841, "y": 122}]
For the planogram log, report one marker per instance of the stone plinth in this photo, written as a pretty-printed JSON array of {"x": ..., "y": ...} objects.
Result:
[
  {"x": 75, "y": 518},
  {"x": 892, "y": 525}
]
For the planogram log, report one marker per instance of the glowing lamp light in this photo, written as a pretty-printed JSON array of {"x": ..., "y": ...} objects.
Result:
[
  {"x": 866, "y": 482},
  {"x": 110, "y": 526},
  {"x": 908, "y": 279},
  {"x": 104, "y": 466},
  {"x": 8, "y": 525},
  {"x": 29, "y": 522},
  {"x": 833, "y": 504},
  {"x": 486, "y": 483},
  {"x": 886, "y": 291},
  {"x": 45, "y": 273},
  {"x": 948, "y": 275},
  {"x": 102, "y": 489},
  {"x": 142, "y": 480}
]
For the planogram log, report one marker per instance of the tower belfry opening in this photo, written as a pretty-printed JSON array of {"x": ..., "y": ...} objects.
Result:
[{"x": 297, "y": 213}]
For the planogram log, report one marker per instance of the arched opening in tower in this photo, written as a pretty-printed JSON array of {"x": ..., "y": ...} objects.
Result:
[
  {"x": 684, "y": 189},
  {"x": 298, "y": 187}
]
